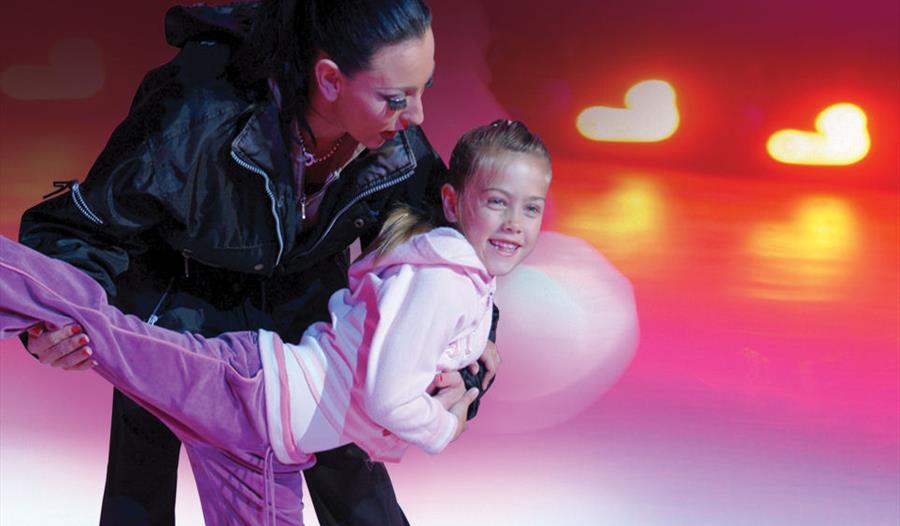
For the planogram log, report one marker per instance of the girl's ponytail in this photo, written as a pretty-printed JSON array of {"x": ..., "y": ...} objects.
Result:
[{"x": 401, "y": 224}]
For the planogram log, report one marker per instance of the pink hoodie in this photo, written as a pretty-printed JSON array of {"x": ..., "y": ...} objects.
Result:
[{"x": 423, "y": 308}]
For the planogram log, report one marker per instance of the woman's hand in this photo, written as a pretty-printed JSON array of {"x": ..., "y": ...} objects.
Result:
[
  {"x": 460, "y": 408},
  {"x": 65, "y": 348},
  {"x": 447, "y": 388},
  {"x": 491, "y": 360}
]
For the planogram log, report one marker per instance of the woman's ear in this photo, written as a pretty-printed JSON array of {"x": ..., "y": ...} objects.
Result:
[
  {"x": 450, "y": 201},
  {"x": 328, "y": 78}
]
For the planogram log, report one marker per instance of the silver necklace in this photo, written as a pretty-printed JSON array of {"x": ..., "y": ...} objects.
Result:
[{"x": 309, "y": 159}]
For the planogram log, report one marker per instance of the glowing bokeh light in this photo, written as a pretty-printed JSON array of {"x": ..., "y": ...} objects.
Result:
[
  {"x": 807, "y": 258},
  {"x": 650, "y": 115},
  {"x": 841, "y": 138},
  {"x": 624, "y": 223},
  {"x": 570, "y": 298}
]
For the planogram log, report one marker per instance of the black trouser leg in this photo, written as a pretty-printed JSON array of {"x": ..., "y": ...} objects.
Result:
[
  {"x": 143, "y": 468},
  {"x": 348, "y": 489}
]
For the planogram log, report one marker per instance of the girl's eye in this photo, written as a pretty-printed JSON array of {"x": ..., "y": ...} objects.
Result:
[
  {"x": 533, "y": 210},
  {"x": 396, "y": 103},
  {"x": 496, "y": 202}
]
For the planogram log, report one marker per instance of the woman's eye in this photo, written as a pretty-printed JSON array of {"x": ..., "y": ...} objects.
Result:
[{"x": 396, "y": 103}]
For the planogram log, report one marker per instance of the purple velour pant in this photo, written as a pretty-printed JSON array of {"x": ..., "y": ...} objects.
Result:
[{"x": 208, "y": 391}]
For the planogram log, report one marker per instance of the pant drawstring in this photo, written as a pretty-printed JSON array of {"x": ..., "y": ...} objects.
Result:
[{"x": 269, "y": 476}]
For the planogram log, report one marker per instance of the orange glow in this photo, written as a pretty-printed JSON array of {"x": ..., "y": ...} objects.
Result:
[
  {"x": 624, "y": 223},
  {"x": 807, "y": 258},
  {"x": 650, "y": 115},
  {"x": 841, "y": 138}
]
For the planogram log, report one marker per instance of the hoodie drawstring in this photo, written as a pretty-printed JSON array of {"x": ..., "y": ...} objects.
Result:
[{"x": 269, "y": 476}]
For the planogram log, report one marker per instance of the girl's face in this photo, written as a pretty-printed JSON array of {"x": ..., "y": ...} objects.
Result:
[
  {"x": 501, "y": 208},
  {"x": 375, "y": 103}
]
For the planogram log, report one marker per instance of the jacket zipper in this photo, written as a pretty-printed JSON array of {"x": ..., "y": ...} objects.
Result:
[
  {"x": 259, "y": 171},
  {"x": 82, "y": 205},
  {"x": 362, "y": 195},
  {"x": 154, "y": 316}
]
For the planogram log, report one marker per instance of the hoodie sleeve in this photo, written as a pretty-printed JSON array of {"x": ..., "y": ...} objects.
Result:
[{"x": 419, "y": 310}]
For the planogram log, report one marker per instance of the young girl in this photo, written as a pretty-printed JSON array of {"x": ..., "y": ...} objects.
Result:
[{"x": 418, "y": 304}]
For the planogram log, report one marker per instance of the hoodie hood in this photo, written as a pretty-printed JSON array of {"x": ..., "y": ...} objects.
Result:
[{"x": 441, "y": 246}]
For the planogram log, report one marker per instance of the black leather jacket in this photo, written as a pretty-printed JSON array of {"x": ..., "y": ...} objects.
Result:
[{"x": 189, "y": 219}]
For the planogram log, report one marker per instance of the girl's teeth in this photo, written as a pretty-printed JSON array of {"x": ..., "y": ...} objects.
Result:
[{"x": 506, "y": 247}]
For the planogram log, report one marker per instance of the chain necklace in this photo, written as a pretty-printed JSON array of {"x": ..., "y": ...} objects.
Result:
[{"x": 309, "y": 159}]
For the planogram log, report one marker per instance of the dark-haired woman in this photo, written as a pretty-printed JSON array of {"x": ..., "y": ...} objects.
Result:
[{"x": 227, "y": 199}]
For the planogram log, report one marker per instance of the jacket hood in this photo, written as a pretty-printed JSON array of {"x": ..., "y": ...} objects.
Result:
[
  {"x": 230, "y": 22},
  {"x": 441, "y": 246}
]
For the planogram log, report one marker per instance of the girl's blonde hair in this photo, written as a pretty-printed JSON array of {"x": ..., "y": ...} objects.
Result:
[{"x": 472, "y": 151}]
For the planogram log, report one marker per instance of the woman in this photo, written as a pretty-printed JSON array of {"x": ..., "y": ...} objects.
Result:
[{"x": 226, "y": 201}]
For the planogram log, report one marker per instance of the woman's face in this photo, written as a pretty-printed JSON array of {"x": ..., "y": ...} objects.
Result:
[{"x": 374, "y": 104}]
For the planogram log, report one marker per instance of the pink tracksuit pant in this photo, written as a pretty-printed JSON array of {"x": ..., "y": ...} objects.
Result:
[{"x": 208, "y": 391}]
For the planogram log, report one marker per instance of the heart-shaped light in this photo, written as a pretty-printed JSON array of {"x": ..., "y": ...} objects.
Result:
[
  {"x": 650, "y": 115},
  {"x": 841, "y": 138},
  {"x": 75, "y": 71}
]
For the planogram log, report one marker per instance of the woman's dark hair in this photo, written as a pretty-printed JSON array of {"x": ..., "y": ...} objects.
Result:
[{"x": 288, "y": 34}]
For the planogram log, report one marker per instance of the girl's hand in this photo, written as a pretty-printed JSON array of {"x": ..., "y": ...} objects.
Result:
[
  {"x": 460, "y": 408},
  {"x": 491, "y": 360},
  {"x": 65, "y": 348}
]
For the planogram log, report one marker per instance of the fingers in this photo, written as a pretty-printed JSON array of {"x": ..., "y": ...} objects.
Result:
[
  {"x": 491, "y": 360},
  {"x": 67, "y": 352},
  {"x": 461, "y": 407},
  {"x": 449, "y": 396},
  {"x": 78, "y": 360},
  {"x": 448, "y": 379},
  {"x": 64, "y": 348},
  {"x": 41, "y": 338},
  {"x": 36, "y": 330},
  {"x": 85, "y": 365}
]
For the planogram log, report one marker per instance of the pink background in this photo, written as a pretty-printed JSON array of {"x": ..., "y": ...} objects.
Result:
[{"x": 766, "y": 386}]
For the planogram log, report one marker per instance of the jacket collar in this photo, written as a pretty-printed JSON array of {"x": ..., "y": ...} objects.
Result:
[
  {"x": 374, "y": 167},
  {"x": 261, "y": 142}
]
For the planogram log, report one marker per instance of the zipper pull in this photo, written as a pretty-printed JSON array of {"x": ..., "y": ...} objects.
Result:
[
  {"x": 187, "y": 268},
  {"x": 60, "y": 187},
  {"x": 303, "y": 206}
]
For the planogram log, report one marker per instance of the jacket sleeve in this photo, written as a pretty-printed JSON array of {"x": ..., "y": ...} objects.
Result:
[
  {"x": 130, "y": 189},
  {"x": 418, "y": 312},
  {"x": 99, "y": 223},
  {"x": 95, "y": 226}
]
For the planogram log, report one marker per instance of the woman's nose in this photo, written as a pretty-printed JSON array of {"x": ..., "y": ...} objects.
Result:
[{"x": 414, "y": 114}]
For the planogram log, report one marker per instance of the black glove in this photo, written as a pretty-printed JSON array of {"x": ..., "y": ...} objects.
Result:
[{"x": 474, "y": 380}]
